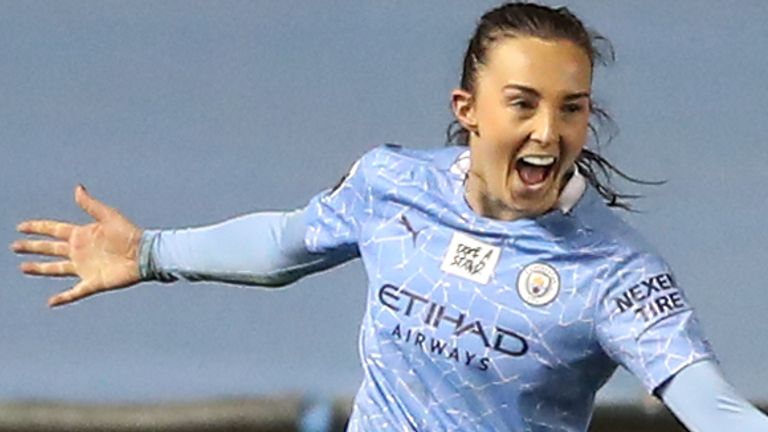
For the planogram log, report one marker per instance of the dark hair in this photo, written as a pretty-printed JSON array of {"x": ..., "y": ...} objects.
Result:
[{"x": 526, "y": 19}]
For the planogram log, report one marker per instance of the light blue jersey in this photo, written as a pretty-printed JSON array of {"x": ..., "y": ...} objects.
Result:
[
  {"x": 479, "y": 324},
  {"x": 475, "y": 324}
]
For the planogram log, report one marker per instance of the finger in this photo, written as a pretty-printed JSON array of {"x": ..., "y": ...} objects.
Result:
[
  {"x": 51, "y": 248},
  {"x": 60, "y": 230},
  {"x": 78, "y": 292},
  {"x": 97, "y": 209},
  {"x": 58, "y": 268}
]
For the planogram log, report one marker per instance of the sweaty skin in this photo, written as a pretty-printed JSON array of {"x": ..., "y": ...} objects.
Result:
[{"x": 532, "y": 97}]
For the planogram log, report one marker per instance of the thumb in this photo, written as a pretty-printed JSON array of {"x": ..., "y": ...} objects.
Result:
[
  {"x": 77, "y": 292},
  {"x": 91, "y": 205}
]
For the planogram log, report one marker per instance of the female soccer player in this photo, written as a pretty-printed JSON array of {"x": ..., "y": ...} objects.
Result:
[{"x": 503, "y": 290}]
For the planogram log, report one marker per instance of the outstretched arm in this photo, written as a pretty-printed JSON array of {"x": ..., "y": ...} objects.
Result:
[
  {"x": 704, "y": 401},
  {"x": 262, "y": 249},
  {"x": 265, "y": 249}
]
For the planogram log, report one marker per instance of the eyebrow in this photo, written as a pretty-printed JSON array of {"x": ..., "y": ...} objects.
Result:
[{"x": 534, "y": 92}]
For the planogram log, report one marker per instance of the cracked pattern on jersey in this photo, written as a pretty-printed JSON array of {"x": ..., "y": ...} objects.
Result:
[{"x": 478, "y": 324}]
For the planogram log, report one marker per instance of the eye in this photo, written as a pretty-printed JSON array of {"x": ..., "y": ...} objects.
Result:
[
  {"x": 572, "y": 108},
  {"x": 522, "y": 104}
]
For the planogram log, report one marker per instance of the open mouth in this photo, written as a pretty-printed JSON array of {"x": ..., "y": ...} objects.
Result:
[{"x": 535, "y": 169}]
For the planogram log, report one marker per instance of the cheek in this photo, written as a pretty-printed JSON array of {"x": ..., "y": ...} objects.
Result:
[
  {"x": 495, "y": 122},
  {"x": 500, "y": 139},
  {"x": 504, "y": 134},
  {"x": 573, "y": 143},
  {"x": 576, "y": 138}
]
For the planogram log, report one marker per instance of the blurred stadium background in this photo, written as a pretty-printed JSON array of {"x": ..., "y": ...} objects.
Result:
[
  {"x": 286, "y": 414},
  {"x": 183, "y": 113}
]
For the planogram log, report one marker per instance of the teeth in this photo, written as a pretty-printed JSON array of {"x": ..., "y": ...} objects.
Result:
[{"x": 539, "y": 160}]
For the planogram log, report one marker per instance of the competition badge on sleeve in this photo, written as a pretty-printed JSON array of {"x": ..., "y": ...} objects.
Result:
[{"x": 538, "y": 284}]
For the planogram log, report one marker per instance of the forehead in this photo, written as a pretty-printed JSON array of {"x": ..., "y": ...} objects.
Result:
[{"x": 550, "y": 66}]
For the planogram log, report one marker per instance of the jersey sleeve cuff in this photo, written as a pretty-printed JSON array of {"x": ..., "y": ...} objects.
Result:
[
  {"x": 146, "y": 267},
  {"x": 664, "y": 372},
  {"x": 659, "y": 384}
]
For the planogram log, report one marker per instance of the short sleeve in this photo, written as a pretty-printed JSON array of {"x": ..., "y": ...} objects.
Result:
[
  {"x": 645, "y": 323},
  {"x": 334, "y": 216}
]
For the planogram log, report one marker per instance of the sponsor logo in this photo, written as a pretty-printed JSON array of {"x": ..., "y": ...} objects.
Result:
[
  {"x": 651, "y": 299},
  {"x": 538, "y": 284},
  {"x": 470, "y": 258},
  {"x": 439, "y": 347},
  {"x": 436, "y": 316}
]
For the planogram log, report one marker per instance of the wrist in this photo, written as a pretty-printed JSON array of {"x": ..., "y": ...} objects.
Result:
[{"x": 146, "y": 266}]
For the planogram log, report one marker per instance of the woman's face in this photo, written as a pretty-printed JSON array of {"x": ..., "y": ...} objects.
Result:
[{"x": 528, "y": 122}]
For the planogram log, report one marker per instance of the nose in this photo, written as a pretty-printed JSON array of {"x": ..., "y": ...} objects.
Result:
[{"x": 545, "y": 127}]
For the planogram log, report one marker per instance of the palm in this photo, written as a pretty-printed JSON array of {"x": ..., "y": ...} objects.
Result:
[{"x": 103, "y": 254}]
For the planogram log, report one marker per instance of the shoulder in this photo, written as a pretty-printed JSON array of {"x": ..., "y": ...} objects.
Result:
[
  {"x": 392, "y": 162},
  {"x": 392, "y": 170},
  {"x": 626, "y": 249},
  {"x": 393, "y": 157}
]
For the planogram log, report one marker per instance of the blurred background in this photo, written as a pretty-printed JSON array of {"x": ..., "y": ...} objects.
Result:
[{"x": 186, "y": 113}]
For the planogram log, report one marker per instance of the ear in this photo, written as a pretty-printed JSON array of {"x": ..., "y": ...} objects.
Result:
[{"x": 463, "y": 107}]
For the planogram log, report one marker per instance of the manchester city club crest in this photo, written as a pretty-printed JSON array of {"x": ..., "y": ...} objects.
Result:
[{"x": 538, "y": 284}]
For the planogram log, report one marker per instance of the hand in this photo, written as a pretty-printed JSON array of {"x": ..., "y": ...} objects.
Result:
[{"x": 104, "y": 254}]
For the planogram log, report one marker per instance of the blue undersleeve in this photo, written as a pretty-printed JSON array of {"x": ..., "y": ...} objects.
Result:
[
  {"x": 262, "y": 249},
  {"x": 704, "y": 402}
]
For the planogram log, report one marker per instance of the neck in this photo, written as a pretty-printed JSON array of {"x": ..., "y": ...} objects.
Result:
[
  {"x": 482, "y": 203},
  {"x": 486, "y": 205}
]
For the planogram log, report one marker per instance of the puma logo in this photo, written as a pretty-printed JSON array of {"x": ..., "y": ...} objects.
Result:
[{"x": 414, "y": 233}]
